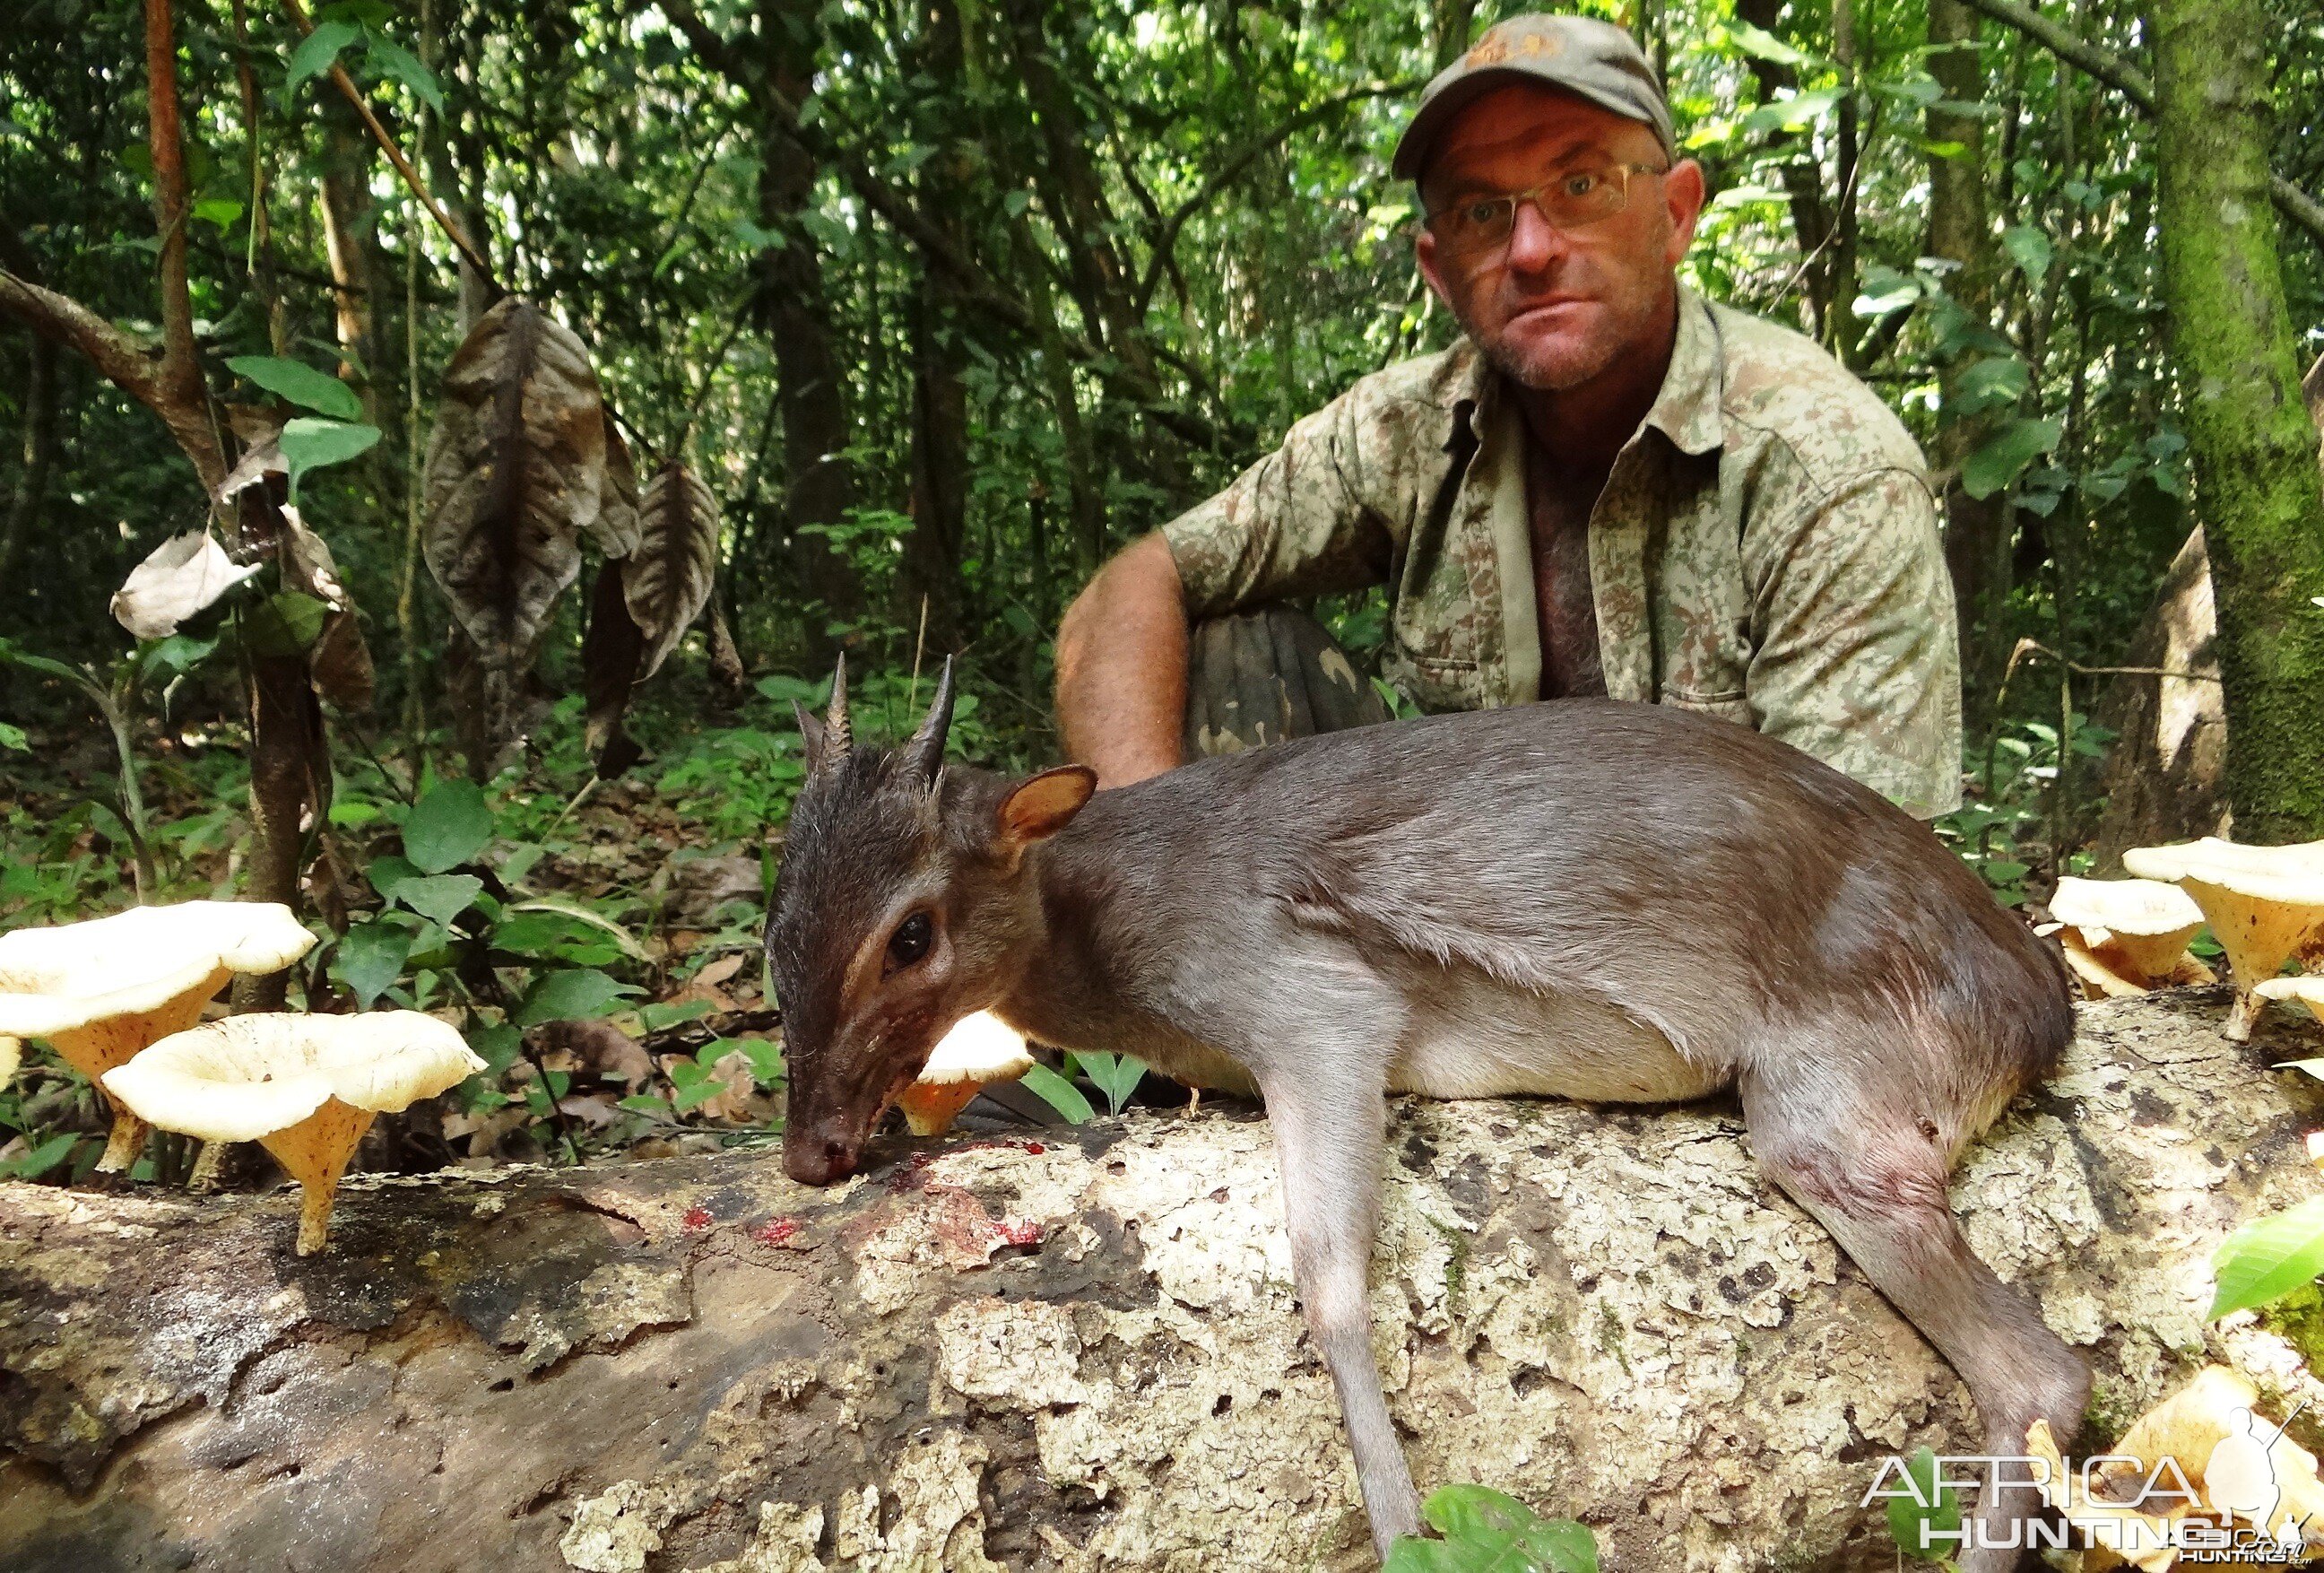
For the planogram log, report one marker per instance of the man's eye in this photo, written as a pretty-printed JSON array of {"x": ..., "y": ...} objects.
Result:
[
  {"x": 1480, "y": 214},
  {"x": 1582, "y": 182},
  {"x": 910, "y": 941}
]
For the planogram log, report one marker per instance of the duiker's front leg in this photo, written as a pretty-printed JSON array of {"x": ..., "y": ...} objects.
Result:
[{"x": 1327, "y": 1121}]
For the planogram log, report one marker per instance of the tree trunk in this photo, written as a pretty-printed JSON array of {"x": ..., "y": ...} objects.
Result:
[
  {"x": 2248, "y": 432},
  {"x": 812, "y": 389},
  {"x": 1960, "y": 231},
  {"x": 1080, "y": 1351},
  {"x": 351, "y": 240},
  {"x": 40, "y": 452}
]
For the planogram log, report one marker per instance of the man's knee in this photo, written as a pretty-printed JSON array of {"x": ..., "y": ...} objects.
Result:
[{"x": 1258, "y": 678}]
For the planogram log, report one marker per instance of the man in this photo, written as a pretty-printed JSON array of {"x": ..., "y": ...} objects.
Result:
[{"x": 1608, "y": 486}]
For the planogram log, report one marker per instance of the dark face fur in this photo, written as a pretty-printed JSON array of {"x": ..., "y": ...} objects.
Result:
[{"x": 899, "y": 909}]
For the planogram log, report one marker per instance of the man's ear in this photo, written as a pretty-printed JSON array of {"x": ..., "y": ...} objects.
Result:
[
  {"x": 1424, "y": 252},
  {"x": 1682, "y": 196},
  {"x": 1036, "y": 808}
]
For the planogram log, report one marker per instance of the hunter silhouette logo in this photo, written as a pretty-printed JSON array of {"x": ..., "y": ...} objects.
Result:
[{"x": 2239, "y": 1477}]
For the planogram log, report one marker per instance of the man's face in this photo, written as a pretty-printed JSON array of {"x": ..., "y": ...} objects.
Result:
[{"x": 1554, "y": 309}]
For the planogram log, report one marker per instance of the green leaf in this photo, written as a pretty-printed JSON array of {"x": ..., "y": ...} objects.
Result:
[
  {"x": 1115, "y": 1075},
  {"x": 1910, "y": 1522},
  {"x": 574, "y": 994},
  {"x": 448, "y": 827},
  {"x": 172, "y": 657},
  {"x": 32, "y": 1165},
  {"x": 766, "y": 1059},
  {"x": 317, "y": 52},
  {"x": 370, "y": 956},
  {"x": 2268, "y": 1258},
  {"x": 395, "y": 60},
  {"x": 312, "y": 444},
  {"x": 497, "y": 1046},
  {"x": 1486, "y": 1532},
  {"x": 286, "y": 622},
  {"x": 2004, "y": 457},
  {"x": 301, "y": 384},
  {"x": 387, "y": 872},
  {"x": 439, "y": 897},
  {"x": 1886, "y": 291},
  {"x": 566, "y": 908},
  {"x": 658, "y": 1017},
  {"x": 1060, "y": 1094},
  {"x": 2030, "y": 249},
  {"x": 1998, "y": 379},
  {"x": 221, "y": 211},
  {"x": 13, "y": 738},
  {"x": 1761, "y": 44}
]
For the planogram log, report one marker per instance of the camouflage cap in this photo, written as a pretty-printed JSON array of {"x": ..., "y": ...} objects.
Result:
[{"x": 1592, "y": 60}]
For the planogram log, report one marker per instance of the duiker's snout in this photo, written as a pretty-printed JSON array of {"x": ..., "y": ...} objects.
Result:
[{"x": 819, "y": 1156}]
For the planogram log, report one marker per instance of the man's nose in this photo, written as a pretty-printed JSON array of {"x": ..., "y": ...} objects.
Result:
[{"x": 1535, "y": 242}]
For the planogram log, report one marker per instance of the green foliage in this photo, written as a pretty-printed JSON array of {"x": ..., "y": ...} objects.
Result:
[
  {"x": 1486, "y": 1532},
  {"x": 1059, "y": 1093},
  {"x": 2268, "y": 1258},
  {"x": 1929, "y": 1507},
  {"x": 309, "y": 443},
  {"x": 301, "y": 384},
  {"x": 1116, "y": 1075}
]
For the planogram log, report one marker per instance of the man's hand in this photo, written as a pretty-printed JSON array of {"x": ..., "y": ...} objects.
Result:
[{"x": 1122, "y": 667}]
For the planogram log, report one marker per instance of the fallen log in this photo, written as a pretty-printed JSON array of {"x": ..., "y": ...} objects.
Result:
[{"x": 1083, "y": 1353}]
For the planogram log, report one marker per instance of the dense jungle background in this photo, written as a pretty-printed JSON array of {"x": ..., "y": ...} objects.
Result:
[{"x": 877, "y": 326}]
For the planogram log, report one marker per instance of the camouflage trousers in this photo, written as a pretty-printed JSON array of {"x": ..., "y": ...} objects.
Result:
[{"x": 1257, "y": 677}]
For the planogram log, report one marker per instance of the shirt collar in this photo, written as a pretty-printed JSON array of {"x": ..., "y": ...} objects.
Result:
[{"x": 1686, "y": 409}]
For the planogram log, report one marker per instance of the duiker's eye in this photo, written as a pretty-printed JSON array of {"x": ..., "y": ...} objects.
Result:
[{"x": 910, "y": 941}]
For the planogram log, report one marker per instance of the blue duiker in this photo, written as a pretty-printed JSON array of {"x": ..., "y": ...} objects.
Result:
[{"x": 1581, "y": 899}]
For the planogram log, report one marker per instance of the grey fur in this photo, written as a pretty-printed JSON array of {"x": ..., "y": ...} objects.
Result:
[{"x": 1584, "y": 899}]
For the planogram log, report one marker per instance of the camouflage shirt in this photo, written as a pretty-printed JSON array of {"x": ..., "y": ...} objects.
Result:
[{"x": 1766, "y": 547}]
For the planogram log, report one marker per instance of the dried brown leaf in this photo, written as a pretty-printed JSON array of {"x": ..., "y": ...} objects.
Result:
[
  {"x": 516, "y": 471},
  {"x": 668, "y": 579},
  {"x": 182, "y": 576}
]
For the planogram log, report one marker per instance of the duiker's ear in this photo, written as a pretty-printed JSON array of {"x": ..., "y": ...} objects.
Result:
[{"x": 1036, "y": 810}]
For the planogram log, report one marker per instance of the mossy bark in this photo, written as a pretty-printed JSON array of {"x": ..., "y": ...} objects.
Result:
[{"x": 2249, "y": 433}]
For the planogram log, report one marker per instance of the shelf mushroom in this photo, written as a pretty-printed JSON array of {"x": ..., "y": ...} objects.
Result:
[
  {"x": 2309, "y": 991},
  {"x": 979, "y": 1051},
  {"x": 101, "y": 991},
  {"x": 304, "y": 1088},
  {"x": 2125, "y": 936},
  {"x": 2265, "y": 905}
]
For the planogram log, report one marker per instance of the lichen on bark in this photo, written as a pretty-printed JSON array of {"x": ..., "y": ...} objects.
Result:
[{"x": 1084, "y": 1354}]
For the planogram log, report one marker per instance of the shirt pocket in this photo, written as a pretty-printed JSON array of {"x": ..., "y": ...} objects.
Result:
[
  {"x": 1437, "y": 684},
  {"x": 1728, "y": 705}
]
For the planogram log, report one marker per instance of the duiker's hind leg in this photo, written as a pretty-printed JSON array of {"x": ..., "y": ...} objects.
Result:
[{"x": 1858, "y": 1160}]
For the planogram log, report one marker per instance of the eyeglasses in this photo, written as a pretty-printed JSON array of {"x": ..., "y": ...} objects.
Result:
[{"x": 1575, "y": 199}]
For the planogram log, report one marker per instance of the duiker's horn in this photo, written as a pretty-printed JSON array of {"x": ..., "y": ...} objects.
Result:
[
  {"x": 924, "y": 755},
  {"x": 838, "y": 734}
]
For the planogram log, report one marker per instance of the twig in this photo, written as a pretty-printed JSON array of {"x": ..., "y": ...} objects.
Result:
[
  {"x": 578, "y": 799},
  {"x": 354, "y": 95},
  {"x": 2028, "y": 647}
]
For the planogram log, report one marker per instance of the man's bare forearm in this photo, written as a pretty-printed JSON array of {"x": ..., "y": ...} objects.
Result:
[{"x": 1122, "y": 667}]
